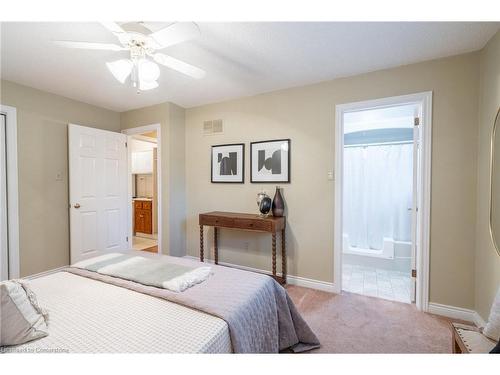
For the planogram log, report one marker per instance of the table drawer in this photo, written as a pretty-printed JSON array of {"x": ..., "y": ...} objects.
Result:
[
  {"x": 217, "y": 221},
  {"x": 146, "y": 205},
  {"x": 253, "y": 224},
  {"x": 137, "y": 204}
]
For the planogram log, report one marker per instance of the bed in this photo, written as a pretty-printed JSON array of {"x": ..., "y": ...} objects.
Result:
[
  {"x": 232, "y": 311},
  {"x": 120, "y": 321}
]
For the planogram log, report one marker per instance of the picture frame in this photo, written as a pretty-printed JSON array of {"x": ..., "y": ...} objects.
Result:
[
  {"x": 228, "y": 163},
  {"x": 270, "y": 161}
]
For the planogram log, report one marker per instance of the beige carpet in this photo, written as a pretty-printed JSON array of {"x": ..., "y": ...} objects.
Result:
[{"x": 351, "y": 323}]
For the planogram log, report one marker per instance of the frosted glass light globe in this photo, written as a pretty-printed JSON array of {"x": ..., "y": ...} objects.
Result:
[
  {"x": 120, "y": 69},
  {"x": 148, "y": 71},
  {"x": 144, "y": 86}
]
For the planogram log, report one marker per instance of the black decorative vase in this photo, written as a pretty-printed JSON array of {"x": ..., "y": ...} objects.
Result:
[
  {"x": 278, "y": 204},
  {"x": 265, "y": 206}
]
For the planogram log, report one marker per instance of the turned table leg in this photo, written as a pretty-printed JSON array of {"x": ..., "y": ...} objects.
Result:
[
  {"x": 201, "y": 243},
  {"x": 283, "y": 255},
  {"x": 274, "y": 255},
  {"x": 216, "y": 247}
]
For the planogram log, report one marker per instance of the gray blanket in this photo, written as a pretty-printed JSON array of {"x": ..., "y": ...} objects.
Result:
[
  {"x": 261, "y": 316},
  {"x": 158, "y": 272}
]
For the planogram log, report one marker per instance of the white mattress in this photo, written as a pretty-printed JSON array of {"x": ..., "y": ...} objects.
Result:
[{"x": 88, "y": 316}]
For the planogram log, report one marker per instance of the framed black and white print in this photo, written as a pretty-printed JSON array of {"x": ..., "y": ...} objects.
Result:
[
  {"x": 270, "y": 161},
  {"x": 228, "y": 163}
]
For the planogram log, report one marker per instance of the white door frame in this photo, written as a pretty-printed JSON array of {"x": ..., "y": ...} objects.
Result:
[
  {"x": 424, "y": 100},
  {"x": 140, "y": 130},
  {"x": 12, "y": 190}
]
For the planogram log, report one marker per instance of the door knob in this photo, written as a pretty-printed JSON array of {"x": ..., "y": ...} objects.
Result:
[{"x": 77, "y": 205}]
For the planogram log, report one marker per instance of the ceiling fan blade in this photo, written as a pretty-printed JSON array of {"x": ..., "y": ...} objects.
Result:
[
  {"x": 176, "y": 33},
  {"x": 89, "y": 45},
  {"x": 122, "y": 35},
  {"x": 179, "y": 65},
  {"x": 113, "y": 27},
  {"x": 148, "y": 25}
]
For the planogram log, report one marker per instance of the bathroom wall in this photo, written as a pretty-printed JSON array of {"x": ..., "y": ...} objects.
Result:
[{"x": 143, "y": 185}]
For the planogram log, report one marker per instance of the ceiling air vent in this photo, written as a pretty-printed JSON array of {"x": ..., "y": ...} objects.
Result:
[{"x": 213, "y": 127}]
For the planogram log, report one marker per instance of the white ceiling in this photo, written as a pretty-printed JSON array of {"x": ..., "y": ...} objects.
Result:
[{"x": 240, "y": 59}]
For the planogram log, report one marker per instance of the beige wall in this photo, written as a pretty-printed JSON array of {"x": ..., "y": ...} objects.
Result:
[
  {"x": 176, "y": 174},
  {"x": 171, "y": 119},
  {"x": 306, "y": 115},
  {"x": 42, "y": 121},
  {"x": 487, "y": 261}
]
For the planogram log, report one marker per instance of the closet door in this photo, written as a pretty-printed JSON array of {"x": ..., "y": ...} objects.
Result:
[{"x": 4, "y": 257}]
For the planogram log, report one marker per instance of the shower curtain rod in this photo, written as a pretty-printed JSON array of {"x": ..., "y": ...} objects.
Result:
[{"x": 379, "y": 144}]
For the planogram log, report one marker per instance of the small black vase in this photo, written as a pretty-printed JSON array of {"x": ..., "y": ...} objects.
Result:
[
  {"x": 265, "y": 205},
  {"x": 278, "y": 204}
]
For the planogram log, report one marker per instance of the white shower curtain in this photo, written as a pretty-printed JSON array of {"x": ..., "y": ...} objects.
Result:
[{"x": 378, "y": 183}]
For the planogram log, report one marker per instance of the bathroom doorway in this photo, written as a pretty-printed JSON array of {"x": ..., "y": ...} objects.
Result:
[
  {"x": 144, "y": 172},
  {"x": 379, "y": 194}
]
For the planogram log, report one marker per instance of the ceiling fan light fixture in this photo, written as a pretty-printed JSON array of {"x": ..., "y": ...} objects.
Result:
[
  {"x": 145, "y": 85},
  {"x": 142, "y": 69},
  {"x": 148, "y": 71},
  {"x": 120, "y": 69}
]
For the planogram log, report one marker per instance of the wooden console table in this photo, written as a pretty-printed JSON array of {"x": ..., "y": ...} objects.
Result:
[{"x": 249, "y": 222}]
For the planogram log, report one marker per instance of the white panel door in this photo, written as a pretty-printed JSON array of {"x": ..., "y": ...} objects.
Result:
[
  {"x": 98, "y": 191},
  {"x": 4, "y": 256}
]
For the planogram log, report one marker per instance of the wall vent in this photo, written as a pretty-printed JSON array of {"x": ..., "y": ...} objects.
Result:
[{"x": 213, "y": 127}]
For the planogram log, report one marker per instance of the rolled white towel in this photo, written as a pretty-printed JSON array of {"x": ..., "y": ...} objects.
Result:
[{"x": 181, "y": 283}]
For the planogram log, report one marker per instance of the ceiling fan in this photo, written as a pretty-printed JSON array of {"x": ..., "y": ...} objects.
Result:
[{"x": 142, "y": 43}]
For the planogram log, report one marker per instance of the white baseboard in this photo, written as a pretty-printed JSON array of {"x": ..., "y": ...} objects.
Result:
[
  {"x": 478, "y": 320},
  {"x": 454, "y": 312},
  {"x": 45, "y": 273},
  {"x": 291, "y": 280},
  {"x": 311, "y": 283}
]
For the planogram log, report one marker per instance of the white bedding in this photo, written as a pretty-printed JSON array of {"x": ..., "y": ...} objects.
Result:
[{"x": 88, "y": 316}]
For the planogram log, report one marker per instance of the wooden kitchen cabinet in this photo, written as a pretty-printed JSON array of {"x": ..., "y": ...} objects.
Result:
[{"x": 143, "y": 216}]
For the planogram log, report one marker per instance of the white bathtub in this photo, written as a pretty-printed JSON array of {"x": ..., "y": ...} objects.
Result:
[{"x": 395, "y": 255}]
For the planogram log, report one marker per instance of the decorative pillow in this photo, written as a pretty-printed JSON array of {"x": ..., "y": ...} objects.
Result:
[
  {"x": 492, "y": 328},
  {"x": 21, "y": 319}
]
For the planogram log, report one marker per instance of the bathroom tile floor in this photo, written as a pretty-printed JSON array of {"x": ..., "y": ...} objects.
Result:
[
  {"x": 375, "y": 282},
  {"x": 141, "y": 243}
]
